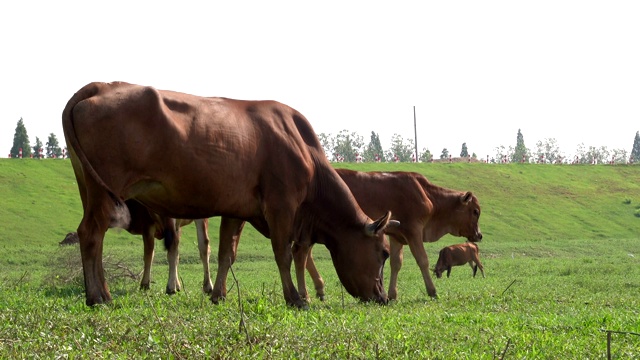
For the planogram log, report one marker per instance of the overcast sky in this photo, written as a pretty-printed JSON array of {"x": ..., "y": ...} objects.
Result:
[{"x": 476, "y": 71}]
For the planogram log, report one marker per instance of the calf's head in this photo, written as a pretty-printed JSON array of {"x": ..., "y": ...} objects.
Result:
[
  {"x": 359, "y": 256},
  {"x": 466, "y": 217}
]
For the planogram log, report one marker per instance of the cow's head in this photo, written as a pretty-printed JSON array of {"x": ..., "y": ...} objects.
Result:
[
  {"x": 359, "y": 258},
  {"x": 466, "y": 217}
]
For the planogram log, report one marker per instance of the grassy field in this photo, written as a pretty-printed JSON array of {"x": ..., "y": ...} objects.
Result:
[{"x": 561, "y": 252}]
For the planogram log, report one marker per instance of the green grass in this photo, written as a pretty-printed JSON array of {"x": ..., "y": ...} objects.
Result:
[{"x": 561, "y": 251}]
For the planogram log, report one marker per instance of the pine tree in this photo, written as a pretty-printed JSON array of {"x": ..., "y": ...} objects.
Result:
[
  {"x": 521, "y": 151},
  {"x": 464, "y": 152},
  {"x": 635, "y": 151},
  {"x": 53, "y": 149},
  {"x": 37, "y": 147},
  {"x": 20, "y": 141},
  {"x": 373, "y": 148},
  {"x": 445, "y": 154}
]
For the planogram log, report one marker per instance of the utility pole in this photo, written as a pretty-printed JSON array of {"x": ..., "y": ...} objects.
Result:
[{"x": 415, "y": 132}]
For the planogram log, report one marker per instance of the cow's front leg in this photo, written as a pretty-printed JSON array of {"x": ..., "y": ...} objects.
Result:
[
  {"x": 149, "y": 249},
  {"x": 419, "y": 253},
  {"x": 230, "y": 230},
  {"x": 173, "y": 256},
  {"x": 283, "y": 255},
  {"x": 202, "y": 226},
  {"x": 300, "y": 255}
]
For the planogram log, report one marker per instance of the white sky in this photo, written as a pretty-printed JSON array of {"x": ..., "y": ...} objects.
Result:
[{"x": 476, "y": 71}]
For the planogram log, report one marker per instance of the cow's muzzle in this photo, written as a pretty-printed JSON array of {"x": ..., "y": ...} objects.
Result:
[{"x": 476, "y": 238}]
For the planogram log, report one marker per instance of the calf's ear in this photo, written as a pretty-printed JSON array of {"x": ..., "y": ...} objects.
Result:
[
  {"x": 379, "y": 225},
  {"x": 466, "y": 198}
]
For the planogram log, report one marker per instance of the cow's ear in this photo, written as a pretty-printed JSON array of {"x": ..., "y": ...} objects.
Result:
[
  {"x": 375, "y": 227},
  {"x": 466, "y": 198}
]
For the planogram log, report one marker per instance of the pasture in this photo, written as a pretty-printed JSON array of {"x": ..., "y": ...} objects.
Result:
[{"x": 561, "y": 252}]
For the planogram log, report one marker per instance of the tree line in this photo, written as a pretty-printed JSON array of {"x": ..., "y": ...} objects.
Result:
[
  {"x": 350, "y": 147},
  {"x": 22, "y": 147}
]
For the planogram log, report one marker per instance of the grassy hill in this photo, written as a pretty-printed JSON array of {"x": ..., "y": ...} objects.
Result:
[
  {"x": 519, "y": 201},
  {"x": 561, "y": 251}
]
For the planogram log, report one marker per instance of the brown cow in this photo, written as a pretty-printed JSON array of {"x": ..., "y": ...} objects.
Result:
[
  {"x": 426, "y": 213},
  {"x": 459, "y": 254},
  {"x": 190, "y": 157}
]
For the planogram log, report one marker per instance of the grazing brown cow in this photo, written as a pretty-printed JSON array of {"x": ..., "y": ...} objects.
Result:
[
  {"x": 459, "y": 254},
  {"x": 426, "y": 213},
  {"x": 189, "y": 157}
]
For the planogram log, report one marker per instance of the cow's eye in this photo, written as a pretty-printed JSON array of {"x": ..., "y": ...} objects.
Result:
[{"x": 385, "y": 254}]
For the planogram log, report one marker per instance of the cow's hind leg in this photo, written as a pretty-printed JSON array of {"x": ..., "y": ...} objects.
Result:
[
  {"x": 230, "y": 230},
  {"x": 205, "y": 251},
  {"x": 479, "y": 265},
  {"x": 94, "y": 225},
  {"x": 149, "y": 245},
  {"x": 474, "y": 267}
]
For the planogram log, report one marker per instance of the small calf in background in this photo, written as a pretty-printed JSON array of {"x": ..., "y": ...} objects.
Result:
[{"x": 459, "y": 254}]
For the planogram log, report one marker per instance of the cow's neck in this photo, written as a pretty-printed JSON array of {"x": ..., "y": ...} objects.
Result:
[
  {"x": 331, "y": 204},
  {"x": 444, "y": 201}
]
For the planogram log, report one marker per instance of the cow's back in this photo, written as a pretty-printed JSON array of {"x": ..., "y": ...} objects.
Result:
[
  {"x": 400, "y": 192},
  {"x": 144, "y": 143}
]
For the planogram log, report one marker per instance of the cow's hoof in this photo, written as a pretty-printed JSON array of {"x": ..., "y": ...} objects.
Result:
[
  {"x": 144, "y": 286},
  {"x": 300, "y": 305},
  {"x": 217, "y": 299}
]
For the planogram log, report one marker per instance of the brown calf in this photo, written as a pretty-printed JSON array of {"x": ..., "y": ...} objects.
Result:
[{"x": 459, "y": 254}]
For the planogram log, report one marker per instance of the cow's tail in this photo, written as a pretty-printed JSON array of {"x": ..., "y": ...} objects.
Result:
[
  {"x": 169, "y": 232},
  {"x": 169, "y": 239},
  {"x": 121, "y": 217}
]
